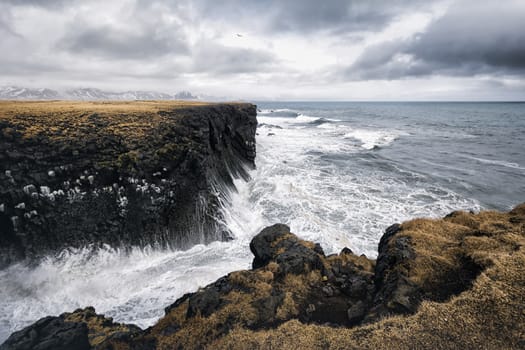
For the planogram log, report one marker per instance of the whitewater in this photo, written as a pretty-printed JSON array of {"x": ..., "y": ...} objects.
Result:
[{"x": 336, "y": 173}]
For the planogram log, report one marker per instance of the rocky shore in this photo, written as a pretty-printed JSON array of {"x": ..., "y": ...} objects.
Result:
[
  {"x": 453, "y": 283},
  {"x": 118, "y": 173}
]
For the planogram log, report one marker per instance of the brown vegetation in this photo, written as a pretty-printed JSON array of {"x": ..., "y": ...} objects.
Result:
[
  {"x": 454, "y": 283},
  {"x": 467, "y": 271},
  {"x": 69, "y": 119},
  {"x": 488, "y": 315}
]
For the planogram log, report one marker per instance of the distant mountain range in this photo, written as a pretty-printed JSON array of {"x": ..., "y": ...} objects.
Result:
[{"x": 22, "y": 93}]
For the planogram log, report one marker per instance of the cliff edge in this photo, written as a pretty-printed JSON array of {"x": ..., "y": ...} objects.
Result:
[
  {"x": 117, "y": 173},
  {"x": 453, "y": 283}
]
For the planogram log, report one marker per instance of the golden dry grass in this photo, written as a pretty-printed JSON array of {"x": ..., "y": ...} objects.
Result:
[
  {"x": 490, "y": 315},
  {"x": 69, "y": 119},
  {"x": 100, "y": 328}
]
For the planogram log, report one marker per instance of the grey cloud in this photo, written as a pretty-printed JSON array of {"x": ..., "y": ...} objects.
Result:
[
  {"x": 311, "y": 15},
  {"x": 6, "y": 30},
  {"x": 52, "y": 4},
  {"x": 468, "y": 40},
  {"x": 6, "y": 18},
  {"x": 492, "y": 35},
  {"x": 222, "y": 60},
  {"x": 142, "y": 32},
  {"x": 108, "y": 42},
  {"x": 25, "y": 67},
  {"x": 344, "y": 15}
]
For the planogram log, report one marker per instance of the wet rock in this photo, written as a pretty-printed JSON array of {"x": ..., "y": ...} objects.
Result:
[
  {"x": 49, "y": 333},
  {"x": 199, "y": 146},
  {"x": 204, "y": 303},
  {"x": 261, "y": 245},
  {"x": 356, "y": 312},
  {"x": 275, "y": 243},
  {"x": 81, "y": 329},
  {"x": 420, "y": 260}
]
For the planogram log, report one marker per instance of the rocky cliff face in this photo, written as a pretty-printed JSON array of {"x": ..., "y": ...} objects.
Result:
[
  {"x": 73, "y": 174},
  {"x": 457, "y": 282}
]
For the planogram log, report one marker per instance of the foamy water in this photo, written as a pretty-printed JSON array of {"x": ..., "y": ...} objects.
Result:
[{"x": 336, "y": 175}]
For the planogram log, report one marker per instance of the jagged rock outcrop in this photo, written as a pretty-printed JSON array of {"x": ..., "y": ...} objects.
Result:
[
  {"x": 79, "y": 330},
  {"x": 457, "y": 282},
  {"x": 119, "y": 173}
]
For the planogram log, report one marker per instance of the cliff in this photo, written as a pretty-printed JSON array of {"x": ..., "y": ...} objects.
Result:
[
  {"x": 117, "y": 173},
  {"x": 452, "y": 283}
]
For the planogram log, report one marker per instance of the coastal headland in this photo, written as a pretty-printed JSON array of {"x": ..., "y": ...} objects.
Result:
[
  {"x": 153, "y": 173},
  {"x": 452, "y": 283},
  {"x": 118, "y": 173}
]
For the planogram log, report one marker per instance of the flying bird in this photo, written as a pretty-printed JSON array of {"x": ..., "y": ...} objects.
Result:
[{"x": 239, "y": 35}]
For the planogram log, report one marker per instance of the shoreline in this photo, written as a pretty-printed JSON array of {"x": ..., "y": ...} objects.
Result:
[{"x": 434, "y": 274}]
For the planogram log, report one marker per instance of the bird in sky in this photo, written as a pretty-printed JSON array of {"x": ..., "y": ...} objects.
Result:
[{"x": 239, "y": 35}]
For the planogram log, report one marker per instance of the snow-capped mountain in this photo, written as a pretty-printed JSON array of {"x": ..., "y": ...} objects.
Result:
[
  {"x": 184, "y": 95},
  {"x": 21, "y": 93},
  {"x": 88, "y": 94},
  {"x": 97, "y": 94}
]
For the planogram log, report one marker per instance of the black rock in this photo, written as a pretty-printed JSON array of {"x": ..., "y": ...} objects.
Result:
[
  {"x": 356, "y": 312},
  {"x": 261, "y": 245},
  {"x": 49, "y": 333},
  {"x": 163, "y": 177},
  {"x": 276, "y": 243}
]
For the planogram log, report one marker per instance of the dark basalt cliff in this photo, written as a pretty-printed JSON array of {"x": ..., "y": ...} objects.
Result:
[
  {"x": 117, "y": 173},
  {"x": 454, "y": 283}
]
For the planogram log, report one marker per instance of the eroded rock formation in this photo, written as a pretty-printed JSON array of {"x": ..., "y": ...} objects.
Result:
[
  {"x": 119, "y": 173},
  {"x": 457, "y": 282}
]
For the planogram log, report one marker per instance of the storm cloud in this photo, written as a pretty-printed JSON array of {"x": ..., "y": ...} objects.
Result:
[
  {"x": 265, "y": 48},
  {"x": 311, "y": 15},
  {"x": 110, "y": 42},
  {"x": 467, "y": 40}
]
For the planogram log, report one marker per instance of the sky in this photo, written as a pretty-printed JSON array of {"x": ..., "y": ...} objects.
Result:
[{"x": 270, "y": 49}]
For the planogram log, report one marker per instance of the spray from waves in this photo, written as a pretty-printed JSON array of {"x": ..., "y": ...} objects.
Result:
[
  {"x": 331, "y": 191},
  {"x": 282, "y": 112},
  {"x": 325, "y": 186},
  {"x": 132, "y": 286},
  {"x": 371, "y": 139}
]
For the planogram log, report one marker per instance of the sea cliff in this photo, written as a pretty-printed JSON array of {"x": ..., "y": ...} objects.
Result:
[
  {"x": 119, "y": 173},
  {"x": 452, "y": 283}
]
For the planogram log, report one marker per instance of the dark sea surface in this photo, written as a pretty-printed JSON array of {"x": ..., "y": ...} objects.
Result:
[
  {"x": 337, "y": 173},
  {"x": 475, "y": 150}
]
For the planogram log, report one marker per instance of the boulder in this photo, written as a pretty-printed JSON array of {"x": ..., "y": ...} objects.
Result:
[{"x": 49, "y": 333}]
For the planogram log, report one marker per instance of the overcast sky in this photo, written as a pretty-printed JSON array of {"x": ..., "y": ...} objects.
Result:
[{"x": 270, "y": 49}]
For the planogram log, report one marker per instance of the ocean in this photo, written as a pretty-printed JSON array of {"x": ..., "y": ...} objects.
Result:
[{"x": 338, "y": 173}]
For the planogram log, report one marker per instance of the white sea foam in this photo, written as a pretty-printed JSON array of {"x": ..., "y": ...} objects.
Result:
[
  {"x": 131, "y": 287},
  {"x": 335, "y": 202},
  {"x": 495, "y": 162},
  {"x": 301, "y": 118},
  {"x": 372, "y": 138},
  {"x": 283, "y": 112}
]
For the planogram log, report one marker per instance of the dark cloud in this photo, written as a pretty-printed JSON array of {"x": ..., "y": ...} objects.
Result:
[
  {"x": 39, "y": 3},
  {"x": 310, "y": 15},
  {"x": 140, "y": 31},
  {"x": 164, "y": 41},
  {"x": 492, "y": 35},
  {"x": 468, "y": 40},
  {"x": 338, "y": 15},
  {"x": 109, "y": 42},
  {"x": 222, "y": 60}
]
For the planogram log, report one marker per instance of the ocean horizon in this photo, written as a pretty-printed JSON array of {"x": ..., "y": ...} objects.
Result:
[{"x": 338, "y": 173}]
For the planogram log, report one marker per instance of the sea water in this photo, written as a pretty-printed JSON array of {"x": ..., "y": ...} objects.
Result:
[{"x": 336, "y": 173}]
